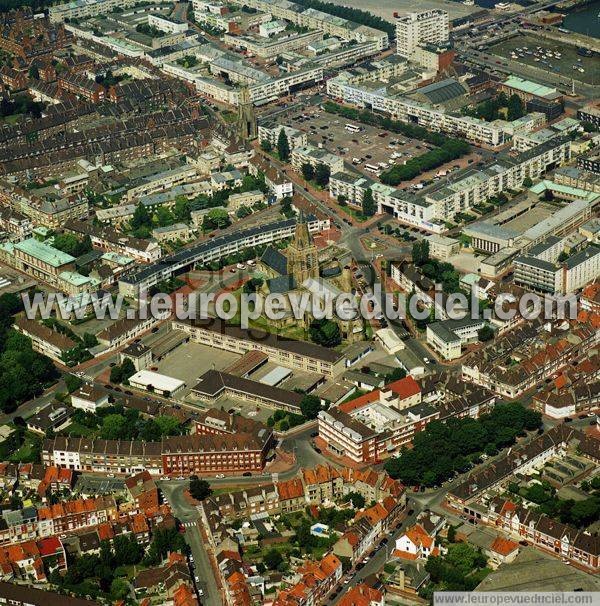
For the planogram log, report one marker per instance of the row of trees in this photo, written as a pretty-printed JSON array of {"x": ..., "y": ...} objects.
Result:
[
  {"x": 450, "y": 150},
  {"x": 413, "y": 131},
  {"x": 24, "y": 373},
  {"x": 118, "y": 423},
  {"x": 445, "y": 448},
  {"x": 352, "y": 14}
]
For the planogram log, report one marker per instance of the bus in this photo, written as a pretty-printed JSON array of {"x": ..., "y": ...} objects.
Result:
[
  {"x": 353, "y": 128},
  {"x": 373, "y": 169}
]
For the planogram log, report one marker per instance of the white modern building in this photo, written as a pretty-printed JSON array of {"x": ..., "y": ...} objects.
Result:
[
  {"x": 575, "y": 272},
  {"x": 270, "y": 132},
  {"x": 155, "y": 382},
  {"x": 448, "y": 337},
  {"x": 89, "y": 398},
  {"x": 425, "y": 27}
]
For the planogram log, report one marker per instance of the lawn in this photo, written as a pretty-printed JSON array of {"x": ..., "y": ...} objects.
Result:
[
  {"x": 229, "y": 117},
  {"x": 29, "y": 452},
  {"x": 12, "y": 119},
  {"x": 77, "y": 430},
  {"x": 354, "y": 212}
]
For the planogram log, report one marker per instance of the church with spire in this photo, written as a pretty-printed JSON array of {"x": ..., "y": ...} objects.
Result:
[
  {"x": 302, "y": 255},
  {"x": 298, "y": 269},
  {"x": 246, "y": 122}
]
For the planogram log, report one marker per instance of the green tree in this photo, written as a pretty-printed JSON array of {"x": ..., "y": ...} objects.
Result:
[
  {"x": 168, "y": 425},
  {"x": 217, "y": 218},
  {"x": 451, "y": 534},
  {"x": 141, "y": 217},
  {"x": 395, "y": 375},
  {"x": 322, "y": 174},
  {"x": 589, "y": 127},
  {"x": 266, "y": 146},
  {"x": 72, "y": 382},
  {"x": 310, "y": 406},
  {"x": 308, "y": 172},
  {"x": 127, "y": 551},
  {"x": 325, "y": 332},
  {"x": 515, "y": 107},
  {"x": 164, "y": 216},
  {"x": 283, "y": 146},
  {"x": 286, "y": 206},
  {"x": 114, "y": 427},
  {"x": 527, "y": 182},
  {"x": 127, "y": 370},
  {"x": 89, "y": 340},
  {"x": 34, "y": 72},
  {"x": 199, "y": 489},
  {"x": 585, "y": 512},
  {"x": 181, "y": 209},
  {"x": 243, "y": 211},
  {"x": 116, "y": 374},
  {"x": 272, "y": 559},
  {"x": 358, "y": 501},
  {"x": 420, "y": 257},
  {"x": 486, "y": 333},
  {"x": 368, "y": 203}
]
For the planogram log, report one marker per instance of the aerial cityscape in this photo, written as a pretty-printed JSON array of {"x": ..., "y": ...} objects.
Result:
[{"x": 299, "y": 302}]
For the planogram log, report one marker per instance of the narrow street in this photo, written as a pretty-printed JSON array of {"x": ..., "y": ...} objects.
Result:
[{"x": 187, "y": 514}]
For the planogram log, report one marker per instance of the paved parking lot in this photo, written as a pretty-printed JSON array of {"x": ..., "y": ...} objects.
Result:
[
  {"x": 191, "y": 360},
  {"x": 371, "y": 146},
  {"x": 568, "y": 64}
]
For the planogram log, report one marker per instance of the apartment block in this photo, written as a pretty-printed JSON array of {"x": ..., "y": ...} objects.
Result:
[
  {"x": 315, "y": 156},
  {"x": 416, "y": 29},
  {"x": 449, "y": 336},
  {"x": 270, "y": 132}
]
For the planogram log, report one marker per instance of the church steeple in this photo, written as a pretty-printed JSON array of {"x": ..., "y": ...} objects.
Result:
[
  {"x": 303, "y": 258},
  {"x": 246, "y": 115}
]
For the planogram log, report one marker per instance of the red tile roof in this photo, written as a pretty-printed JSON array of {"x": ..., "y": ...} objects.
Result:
[
  {"x": 504, "y": 546},
  {"x": 361, "y": 595}
]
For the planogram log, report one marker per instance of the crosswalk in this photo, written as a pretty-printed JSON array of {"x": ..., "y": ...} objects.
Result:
[{"x": 189, "y": 524}]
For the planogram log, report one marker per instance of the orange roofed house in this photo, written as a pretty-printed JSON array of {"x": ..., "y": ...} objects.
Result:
[
  {"x": 415, "y": 544},
  {"x": 503, "y": 551},
  {"x": 362, "y": 595},
  {"x": 418, "y": 541},
  {"x": 318, "y": 579}
]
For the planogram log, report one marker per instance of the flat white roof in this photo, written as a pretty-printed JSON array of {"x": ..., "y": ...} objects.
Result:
[
  {"x": 389, "y": 338},
  {"x": 158, "y": 381},
  {"x": 276, "y": 376}
]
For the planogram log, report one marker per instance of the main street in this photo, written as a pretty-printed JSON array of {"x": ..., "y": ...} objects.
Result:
[{"x": 189, "y": 516}]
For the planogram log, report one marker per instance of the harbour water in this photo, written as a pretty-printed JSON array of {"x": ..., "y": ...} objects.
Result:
[{"x": 585, "y": 21}]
